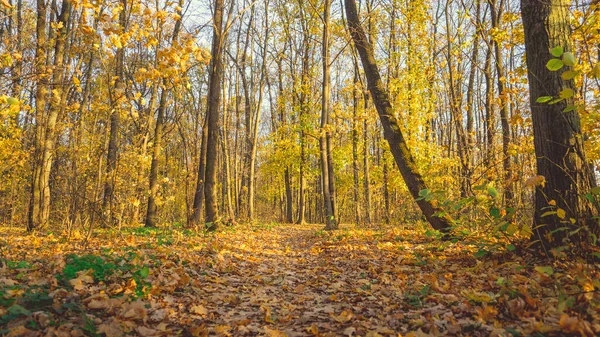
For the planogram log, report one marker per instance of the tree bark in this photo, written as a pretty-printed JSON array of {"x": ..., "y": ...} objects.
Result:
[
  {"x": 355, "y": 169},
  {"x": 212, "y": 116},
  {"x": 557, "y": 134},
  {"x": 45, "y": 137}
]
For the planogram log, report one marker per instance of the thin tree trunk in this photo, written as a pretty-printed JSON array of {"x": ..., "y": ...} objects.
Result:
[
  {"x": 490, "y": 123},
  {"x": 366, "y": 168},
  {"x": 496, "y": 16},
  {"x": 355, "y": 169},
  {"x": 117, "y": 96},
  {"x": 325, "y": 137},
  {"x": 199, "y": 191},
  {"x": 151, "y": 214},
  {"x": 462, "y": 144}
]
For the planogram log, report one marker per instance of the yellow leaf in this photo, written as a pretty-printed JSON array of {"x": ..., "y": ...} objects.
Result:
[
  {"x": 198, "y": 310},
  {"x": 273, "y": 332},
  {"x": 569, "y": 324},
  {"x": 267, "y": 315},
  {"x": 344, "y": 317},
  {"x": 561, "y": 213},
  {"x": 81, "y": 280}
]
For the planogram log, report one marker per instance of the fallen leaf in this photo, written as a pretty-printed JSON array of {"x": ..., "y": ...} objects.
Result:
[
  {"x": 111, "y": 328},
  {"x": 349, "y": 331},
  {"x": 199, "y": 310},
  {"x": 344, "y": 316},
  {"x": 134, "y": 311}
]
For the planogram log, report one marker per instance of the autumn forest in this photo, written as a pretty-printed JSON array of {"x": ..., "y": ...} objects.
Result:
[{"x": 299, "y": 168}]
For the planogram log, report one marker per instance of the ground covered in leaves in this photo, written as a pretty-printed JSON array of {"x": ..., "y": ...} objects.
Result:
[{"x": 286, "y": 280}]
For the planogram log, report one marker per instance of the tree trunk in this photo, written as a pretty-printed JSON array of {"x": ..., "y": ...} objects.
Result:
[
  {"x": 324, "y": 139},
  {"x": 199, "y": 191},
  {"x": 557, "y": 134},
  {"x": 496, "y": 16},
  {"x": 158, "y": 133},
  {"x": 115, "y": 121},
  {"x": 212, "y": 116},
  {"x": 392, "y": 132},
  {"x": 301, "y": 196},
  {"x": 45, "y": 136},
  {"x": 355, "y": 170},
  {"x": 454, "y": 84},
  {"x": 490, "y": 123}
]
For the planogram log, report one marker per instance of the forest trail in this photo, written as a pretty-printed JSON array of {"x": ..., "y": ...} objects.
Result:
[{"x": 285, "y": 280}]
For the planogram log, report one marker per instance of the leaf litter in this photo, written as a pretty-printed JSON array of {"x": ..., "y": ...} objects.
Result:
[{"x": 285, "y": 280}]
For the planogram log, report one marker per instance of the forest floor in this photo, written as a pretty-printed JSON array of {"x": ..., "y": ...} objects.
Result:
[{"x": 286, "y": 280}]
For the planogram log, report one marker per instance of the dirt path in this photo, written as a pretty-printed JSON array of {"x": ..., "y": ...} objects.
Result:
[{"x": 284, "y": 280}]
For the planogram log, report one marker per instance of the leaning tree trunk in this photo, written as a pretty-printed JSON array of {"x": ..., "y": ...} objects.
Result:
[
  {"x": 391, "y": 127},
  {"x": 557, "y": 134}
]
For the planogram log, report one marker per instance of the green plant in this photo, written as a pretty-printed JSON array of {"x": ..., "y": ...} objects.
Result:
[
  {"x": 415, "y": 298},
  {"x": 74, "y": 264}
]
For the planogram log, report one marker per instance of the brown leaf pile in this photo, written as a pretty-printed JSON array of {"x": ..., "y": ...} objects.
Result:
[{"x": 286, "y": 280}]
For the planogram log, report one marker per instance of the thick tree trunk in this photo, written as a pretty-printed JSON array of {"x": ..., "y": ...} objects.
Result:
[
  {"x": 557, "y": 134},
  {"x": 45, "y": 138},
  {"x": 392, "y": 132},
  {"x": 158, "y": 133},
  {"x": 212, "y": 116},
  {"x": 37, "y": 215}
]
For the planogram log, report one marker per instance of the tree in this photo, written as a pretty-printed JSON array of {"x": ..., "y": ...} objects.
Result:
[
  {"x": 117, "y": 96},
  {"x": 496, "y": 11},
  {"x": 558, "y": 140},
  {"x": 158, "y": 135},
  {"x": 328, "y": 177},
  {"x": 392, "y": 133},
  {"x": 212, "y": 116},
  {"x": 47, "y": 111}
]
